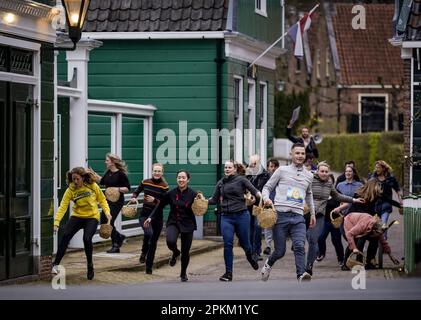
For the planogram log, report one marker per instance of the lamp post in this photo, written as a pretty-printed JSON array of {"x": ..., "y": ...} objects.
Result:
[{"x": 75, "y": 12}]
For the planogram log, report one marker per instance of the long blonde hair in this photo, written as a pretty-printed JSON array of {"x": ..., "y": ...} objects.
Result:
[
  {"x": 387, "y": 169},
  {"x": 119, "y": 164},
  {"x": 370, "y": 191}
]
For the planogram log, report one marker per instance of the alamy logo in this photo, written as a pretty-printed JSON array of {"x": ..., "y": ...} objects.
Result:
[
  {"x": 59, "y": 280},
  {"x": 358, "y": 281},
  {"x": 358, "y": 21}
]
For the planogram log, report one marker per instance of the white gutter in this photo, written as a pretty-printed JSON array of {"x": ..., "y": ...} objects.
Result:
[
  {"x": 121, "y": 107},
  {"x": 368, "y": 86},
  {"x": 153, "y": 35},
  {"x": 411, "y": 44}
]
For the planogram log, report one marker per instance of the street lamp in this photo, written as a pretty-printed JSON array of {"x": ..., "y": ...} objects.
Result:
[{"x": 75, "y": 11}]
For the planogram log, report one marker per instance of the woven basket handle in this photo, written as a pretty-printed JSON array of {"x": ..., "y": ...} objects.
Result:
[
  {"x": 200, "y": 195},
  {"x": 331, "y": 216},
  {"x": 128, "y": 203}
]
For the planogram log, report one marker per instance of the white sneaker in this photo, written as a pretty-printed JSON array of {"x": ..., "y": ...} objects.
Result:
[
  {"x": 304, "y": 277},
  {"x": 266, "y": 270},
  {"x": 54, "y": 269}
]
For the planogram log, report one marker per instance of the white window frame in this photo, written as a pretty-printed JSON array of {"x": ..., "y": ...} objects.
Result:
[
  {"x": 263, "y": 124},
  {"x": 34, "y": 80},
  {"x": 386, "y": 115},
  {"x": 251, "y": 110},
  {"x": 263, "y": 8},
  {"x": 238, "y": 135}
]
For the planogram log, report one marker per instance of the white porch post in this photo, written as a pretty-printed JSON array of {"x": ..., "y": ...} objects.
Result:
[{"x": 78, "y": 60}]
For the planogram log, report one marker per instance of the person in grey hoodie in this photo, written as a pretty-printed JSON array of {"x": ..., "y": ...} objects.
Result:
[
  {"x": 293, "y": 186},
  {"x": 235, "y": 218}
]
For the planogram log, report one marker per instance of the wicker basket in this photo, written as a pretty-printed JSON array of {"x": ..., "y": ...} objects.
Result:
[
  {"x": 257, "y": 210},
  {"x": 105, "y": 231},
  {"x": 199, "y": 205},
  {"x": 352, "y": 260},
  {"x": 250, "y": 199},
  {"x": 129, "y": 212},
  {"x": 112, "y": 194},
  {"x": 267, "y": 218},
  {"x": 336, "y": 221}
]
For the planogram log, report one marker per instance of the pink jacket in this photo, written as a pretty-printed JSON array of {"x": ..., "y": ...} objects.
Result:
[{"x": 359, "y": 224}]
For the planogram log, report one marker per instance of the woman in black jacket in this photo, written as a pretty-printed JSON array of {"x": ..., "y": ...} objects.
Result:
[
  {"x": 229, "y": 195},
  {"x": 181, "y": 220},
  {"x": 114, "y": 177}
]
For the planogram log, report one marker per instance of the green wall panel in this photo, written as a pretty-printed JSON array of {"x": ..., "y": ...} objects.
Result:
[
  {"x": 257, "y": 26},
  {"x": 99, "y": 141},
  {"x": 132, "y": 148}
]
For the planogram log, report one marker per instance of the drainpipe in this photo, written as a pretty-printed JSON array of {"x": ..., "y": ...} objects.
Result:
[
  {"x": 339, "y": 111},
  {"x": 219, "y": 62}
]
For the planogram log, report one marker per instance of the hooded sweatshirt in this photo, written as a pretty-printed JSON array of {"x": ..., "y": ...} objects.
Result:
[{"x": 229, "y": 194}]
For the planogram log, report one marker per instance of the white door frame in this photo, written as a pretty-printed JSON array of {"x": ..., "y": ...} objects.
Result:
[
  {"x": 263, "y": 124},
  {"x": 35, "y": 81}
]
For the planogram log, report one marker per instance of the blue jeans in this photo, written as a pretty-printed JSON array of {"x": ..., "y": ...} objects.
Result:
[
  {"x": 312, "y": 237},
  {"x": 255, "y": 236},
  {"x": 335, "y": 235},
  {"x": 238, "y": 223},
  {"x": 293, "y": 224}
]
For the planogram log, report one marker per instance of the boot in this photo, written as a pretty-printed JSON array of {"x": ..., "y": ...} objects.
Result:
[
  {"x": 121, "y": 240},
  {"x": 90, "y": 273},
  {"x": 114, "y": 249}
]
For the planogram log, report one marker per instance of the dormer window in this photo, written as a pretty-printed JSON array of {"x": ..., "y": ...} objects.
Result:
[{"x": 261, "y": 7}]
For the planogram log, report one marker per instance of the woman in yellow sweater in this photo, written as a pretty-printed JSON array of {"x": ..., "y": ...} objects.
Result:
[{"x": 85, "y": 194}]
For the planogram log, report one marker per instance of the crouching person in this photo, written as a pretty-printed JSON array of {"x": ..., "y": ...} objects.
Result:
[{"x": 360, "y": 227}]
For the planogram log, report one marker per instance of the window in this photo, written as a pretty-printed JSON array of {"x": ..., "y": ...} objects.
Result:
[
  {"x": 297, "y": 65},
  {"x": 373, "y": 113},
  {"x": 327, "y": 63},
  {"x": 237, "y": 142},
  {"x": 261, "y": 7}
]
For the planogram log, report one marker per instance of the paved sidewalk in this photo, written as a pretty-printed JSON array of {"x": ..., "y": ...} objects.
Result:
[{"x": 128, "y": 258}]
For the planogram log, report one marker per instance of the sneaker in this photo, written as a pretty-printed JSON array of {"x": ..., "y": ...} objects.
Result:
[
  {"x": 309, "y": 270},
  {"x": 370, "y": 266},
  {"x": 173, "y": 259},
  {"x": 253, "y": 262},
  {"x": 267, "y": 251},
  {"x": 341, "y": 263},
  {"x": 344, "y": 267},
  {"x": 320, "y": 258},
  {"x": 304, "y": 277},
  {"x": 184, "y": 278},
  {"x": 257, "y": 257},
  {"x": 148, "y": 271},
  {"x": 266, "y": 270},
  {"x": 142, "y": 258},
  {"x": 90, "y": 274},
  {"x": 226, "y": 277},
  {"x": 54, "y": 269}
]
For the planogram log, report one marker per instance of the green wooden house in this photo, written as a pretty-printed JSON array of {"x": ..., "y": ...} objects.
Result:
[{"x": 189, "y": 60}]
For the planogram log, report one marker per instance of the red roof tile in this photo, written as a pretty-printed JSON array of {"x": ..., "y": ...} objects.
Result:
[{"x": 366, "y": 56}]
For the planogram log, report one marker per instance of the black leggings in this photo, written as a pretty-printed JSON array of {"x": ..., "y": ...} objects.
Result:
[
  {"x": 186, "y": 241},
  {"x": 115, "y": 209},
  {"x": 150, "y": 239},
  {"x": 74, "y": 224}
]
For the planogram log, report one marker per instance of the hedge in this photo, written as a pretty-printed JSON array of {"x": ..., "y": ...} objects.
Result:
[{"x": 364, "y": 149}]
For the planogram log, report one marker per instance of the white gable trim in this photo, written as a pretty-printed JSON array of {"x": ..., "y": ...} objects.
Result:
[
  {"x": 248, "y": 49},
  {"x": 153, "y": 35}
]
